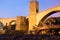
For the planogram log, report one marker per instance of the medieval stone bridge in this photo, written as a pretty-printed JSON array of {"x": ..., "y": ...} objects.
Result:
[{"x": 13, "y": 23}]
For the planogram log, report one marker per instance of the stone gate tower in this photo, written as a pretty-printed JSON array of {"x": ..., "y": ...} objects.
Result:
[{"x": 34, "y": 9}]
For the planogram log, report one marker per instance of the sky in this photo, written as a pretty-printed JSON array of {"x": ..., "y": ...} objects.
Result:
[{"x": 13, "y": 8}]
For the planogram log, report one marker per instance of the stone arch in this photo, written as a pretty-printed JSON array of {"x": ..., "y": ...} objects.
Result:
[
  {"x": 1, "y": 25},
  {"x": 43, "y": 15},
  {"x": 12, "y": 24},
  {"x": 49, "y": 14}
]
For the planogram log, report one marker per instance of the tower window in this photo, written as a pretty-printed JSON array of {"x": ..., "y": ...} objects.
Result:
[{"x": 36, "y": 10}]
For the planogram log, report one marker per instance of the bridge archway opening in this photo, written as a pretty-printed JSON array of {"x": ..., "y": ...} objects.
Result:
[
  {"x": 53, "y": 19},
  {"x": 54, "y": 15},
  {"x": 13, "y": 24},
  {"x": 1, "y": 25},
  {"x": 48, "y": 16}
]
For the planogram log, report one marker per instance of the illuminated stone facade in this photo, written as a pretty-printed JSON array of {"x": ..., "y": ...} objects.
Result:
[
  {"x": 27, "y": 23},
  {"x": 18, "y": 23}
]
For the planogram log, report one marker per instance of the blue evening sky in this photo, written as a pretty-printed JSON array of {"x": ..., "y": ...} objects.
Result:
[{"x": 13, "y": 8}]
